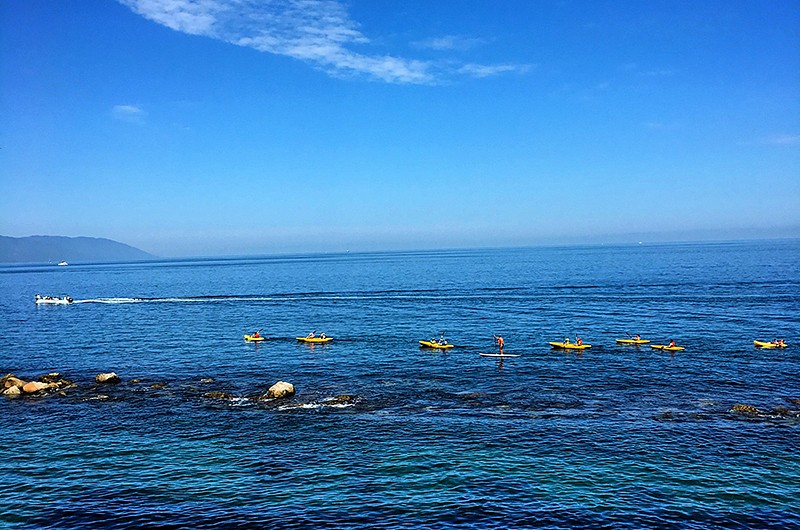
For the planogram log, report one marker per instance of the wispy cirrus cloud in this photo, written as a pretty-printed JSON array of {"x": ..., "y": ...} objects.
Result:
[
  {"x": 658, "y": 72},
  {"x": 449, "y": 42},
  {"x": 319, "y": 32},
  {"x": 782, "y": 139},
  {"x": 128, "y": 113},
  {"x": 489, "y": 70}
]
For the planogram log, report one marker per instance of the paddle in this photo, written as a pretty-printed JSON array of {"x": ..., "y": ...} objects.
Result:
[{"x": 497, "y": 341}]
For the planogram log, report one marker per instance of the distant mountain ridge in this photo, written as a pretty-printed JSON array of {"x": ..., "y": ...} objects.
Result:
[{"x": 35, "y": 249}]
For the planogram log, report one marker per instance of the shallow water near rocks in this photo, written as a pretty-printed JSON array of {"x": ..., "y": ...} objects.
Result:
[{"x": 386, "y": 434}]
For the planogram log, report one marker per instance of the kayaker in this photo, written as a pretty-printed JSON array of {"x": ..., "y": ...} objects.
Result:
[
  {"x": 256, "y": 335},
  {"x": 671, "y": 343},
  {"x": 311, "y": 335},
  {"x": 637, "y": 337},
  {"x": 500, "y": 343},
  {"x": 322, "y": 335},
  {"x": 566, "y": 340},
  {"x": 578, "y": 341}
]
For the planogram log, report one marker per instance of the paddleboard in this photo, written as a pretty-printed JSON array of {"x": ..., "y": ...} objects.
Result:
[{"x": 498, "y": 355}]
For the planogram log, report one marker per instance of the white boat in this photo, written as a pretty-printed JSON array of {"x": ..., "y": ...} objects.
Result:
[
  {"x": 53, "y": 300},
  {"x": 63, "y": 264}
]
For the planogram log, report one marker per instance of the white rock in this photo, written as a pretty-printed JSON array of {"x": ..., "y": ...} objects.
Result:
[
  {"x": 12, "y": 391},
  {"x": 110, "y": 377},
  {"x": 281, "y": 389}
]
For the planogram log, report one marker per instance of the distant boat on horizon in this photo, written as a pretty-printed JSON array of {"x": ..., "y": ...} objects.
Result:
[{"x": 63, "y": 263}]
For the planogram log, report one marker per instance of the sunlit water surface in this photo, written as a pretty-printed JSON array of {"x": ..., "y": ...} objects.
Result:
[{"x": 616, "y": 436}]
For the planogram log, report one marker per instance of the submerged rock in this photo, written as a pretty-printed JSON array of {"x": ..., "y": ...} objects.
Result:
[
  {"x": 158, "y": 385},
  {"x": 109, "y": 378},
  {"x": 281, "y": 389},
  {"x": 217, "y": 395},
  {"x": 55, "y": 380},
  {"x": 341, "y": 399},
  {"x": 745, "y": 409}
]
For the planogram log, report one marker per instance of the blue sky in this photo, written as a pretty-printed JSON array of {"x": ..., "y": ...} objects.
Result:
[{"x": 220, "y": 127}]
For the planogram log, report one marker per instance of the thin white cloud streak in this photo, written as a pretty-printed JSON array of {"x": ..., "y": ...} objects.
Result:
[
  {"x": 449, "y": 42},
  {"x": 663, "y": 72},
  {"x": 783, "y": 139},
  {"x": 489, "y": 70},
  {"x": 128, "y": 113},
  {"x": 319, "y": 32}
]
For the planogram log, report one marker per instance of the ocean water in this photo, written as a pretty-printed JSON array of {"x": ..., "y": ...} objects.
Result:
[{"x": 384, "y": 434}]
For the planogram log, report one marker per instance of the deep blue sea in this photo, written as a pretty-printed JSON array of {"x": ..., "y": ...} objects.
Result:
[{"x": 615, "y": 436}]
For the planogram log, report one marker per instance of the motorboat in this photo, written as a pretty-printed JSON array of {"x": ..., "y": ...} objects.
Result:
[{"x": 53, "y": 300}]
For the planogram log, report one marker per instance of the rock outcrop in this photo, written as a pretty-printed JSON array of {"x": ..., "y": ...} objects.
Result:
[
  {"x": 10, "y": 381},
  {"x": 13, "y": 386},
  {"x": 281, "y": 389},
  {"x": 13, "y": 391},
  {"x": 110, "y": 378},
  {"x": 34, "y": 386}
]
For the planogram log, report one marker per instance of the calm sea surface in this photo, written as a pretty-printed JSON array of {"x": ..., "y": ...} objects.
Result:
[{"x": 382, "y": 433}]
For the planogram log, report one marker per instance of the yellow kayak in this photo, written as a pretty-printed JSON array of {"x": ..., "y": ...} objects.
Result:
[
  {"x": 570, "y": 346},
  {"x": 314, "y": 339},
  {"x": 632, "y": 341},
  {"x": 429, "y": 344},
  {"x": 768, "y": 345},
  {"x": 667, "y": 347},
  {"x": 250, "y": 338}
]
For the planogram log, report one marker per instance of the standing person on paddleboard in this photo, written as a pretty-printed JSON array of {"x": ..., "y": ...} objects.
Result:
[{"x": 500, "y": 342}]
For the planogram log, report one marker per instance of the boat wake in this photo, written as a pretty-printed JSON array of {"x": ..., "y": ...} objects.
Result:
[
  {"x": 188, "y": 299},
  {"x": 109, "y": 301},
  {"x": 280, "y": 297}
]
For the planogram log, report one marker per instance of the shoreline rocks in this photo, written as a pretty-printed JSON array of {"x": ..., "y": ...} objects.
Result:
[{"x": 13, "y": 386}]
